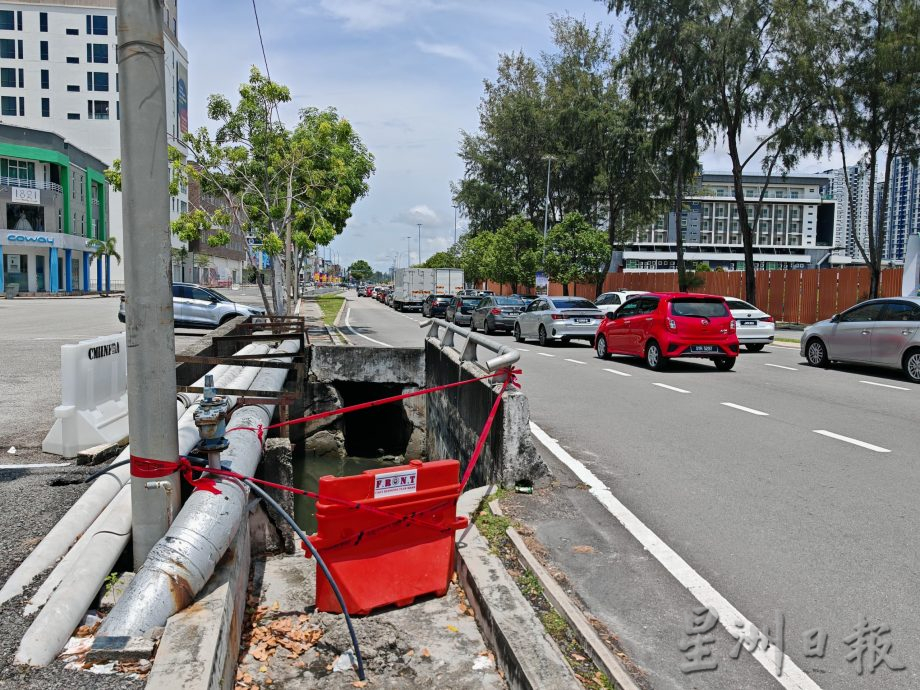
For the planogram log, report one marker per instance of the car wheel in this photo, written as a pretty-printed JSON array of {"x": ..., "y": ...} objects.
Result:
[
  {"x": 486, "y": 328},
  {"x": 912, "y": 365},
  {"x": 754, "y": 347},
  {"x": 472, "y": 325},
  {"x": 543, "y": 339},
  {"x": 517, "y": 334},
  {"x": 724, "y": 363},
  {"x": 654, "y": 358},
  {"x": 600, "y": 346},
  {"x": 816, "y": 353}
]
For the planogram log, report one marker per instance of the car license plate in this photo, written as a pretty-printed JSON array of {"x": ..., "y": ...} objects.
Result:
[
  {"x": 582, "y": 320},
  {"x": 748, "y": 323},
  {"x": 703, "y": 348}
]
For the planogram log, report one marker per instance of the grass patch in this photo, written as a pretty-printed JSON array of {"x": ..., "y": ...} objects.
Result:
[
  {"x": 330, "y": 305},
  {"x": 492, "y": 527},
  {"x": 788, "y": 340}
]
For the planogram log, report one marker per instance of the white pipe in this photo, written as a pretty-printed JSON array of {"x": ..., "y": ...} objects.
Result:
[
  {"x": 181, "y": 563},
  {"x": 94, "y": 500},
  {"x": 101, "y": 545},
  {"x": 55, "y": 624}
]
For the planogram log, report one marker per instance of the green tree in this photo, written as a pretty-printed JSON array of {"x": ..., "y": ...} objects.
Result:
[
  {"x": 294, "y": 187},
  {"x": 360, "y": 270},
  {"x": 441, "y": 260},
  {"x": 866, "y": 61},
  {"x": 576, "y": 251},
  {"x": 515, "y": 253},
  {"x": 475, "y": 254}
]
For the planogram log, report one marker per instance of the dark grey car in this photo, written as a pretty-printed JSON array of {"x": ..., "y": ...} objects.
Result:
[
  {"x": 460, "y": 309},
  {"x": 496, "y": 314},
  {"x": 881, "y": 332}
]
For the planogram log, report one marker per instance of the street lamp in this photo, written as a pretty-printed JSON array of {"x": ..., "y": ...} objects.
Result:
[
  {"x": 419, "y": 242},
  {"x": 408, "y": 253},
  {"x": 549, "y": 162},
  {"x": 455, "y": 223}
]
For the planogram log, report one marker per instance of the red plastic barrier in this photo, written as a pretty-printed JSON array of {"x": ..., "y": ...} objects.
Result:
[{"x": 380, "y": 560}]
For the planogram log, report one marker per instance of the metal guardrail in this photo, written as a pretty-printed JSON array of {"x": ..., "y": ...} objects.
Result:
[{"x": 506, "y": 355}]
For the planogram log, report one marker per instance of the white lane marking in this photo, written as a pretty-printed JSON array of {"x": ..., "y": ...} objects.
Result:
[
  {"x": 618, "y": 373},
  {"x": 885, "y": 385},
  {"x": 522, "y": 349},
  {"x": 670, "y": 388},
  {"x": 779, "y": 366},
  {"x": 29, "y": 467},
  {"x": 855, "y": 442},
  {"x": 730, "y": 618},
  {"x": 745, "y": 409},
  {"x": 360, "y": 335},
  {"x": 574, "y": 361},
  {"x": 545, "y": 354}
]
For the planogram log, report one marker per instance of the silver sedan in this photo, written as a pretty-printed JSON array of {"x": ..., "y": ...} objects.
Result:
[
  {"x": 881, "y": 332},
  {"x": 552, "y": 319}
]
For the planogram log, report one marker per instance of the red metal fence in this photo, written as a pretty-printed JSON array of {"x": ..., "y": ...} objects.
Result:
[{"x": 801, "y": 296}]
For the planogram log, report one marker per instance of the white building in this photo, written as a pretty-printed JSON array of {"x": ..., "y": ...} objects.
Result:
[
  {"x": 59, "y": 73},
  {"x": 794, "y": 228}
]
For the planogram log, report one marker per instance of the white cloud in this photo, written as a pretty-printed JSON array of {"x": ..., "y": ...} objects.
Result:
[
  {"x": 450, "y": 51},
  {"x": 419, "y": 214},
  {"x": 369, "y": 15}
]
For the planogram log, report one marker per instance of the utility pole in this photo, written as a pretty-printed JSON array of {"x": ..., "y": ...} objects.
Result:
[
  {"x": 419, "y": 242},
  {"x": 148, "y": 288},
  {"x": 455, "y": 225},
  {"x": 408, "y": 253},
  {"x": 549, "y": 162}
]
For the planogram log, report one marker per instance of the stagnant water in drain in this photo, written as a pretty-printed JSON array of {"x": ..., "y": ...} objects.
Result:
[{"x": 307, "y": 471}]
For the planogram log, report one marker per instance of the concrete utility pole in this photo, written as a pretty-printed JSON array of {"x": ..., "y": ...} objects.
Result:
[
  {"x": 455, "y": 224},
  {"x": 408, "y": 253},
  {"x": 148, "y": 288},
  {"x": 419, "y": 242}
]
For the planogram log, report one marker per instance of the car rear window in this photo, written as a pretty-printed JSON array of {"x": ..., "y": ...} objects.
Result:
[
  {"x": 573, "y": 304},
  {"x": 471, "y": 301},
  {"x": 738, "y": 304},
  {"x": 695, "y": 306},
  {"x": 442, "y": 300},
  {"x": 511, "y": 301}
]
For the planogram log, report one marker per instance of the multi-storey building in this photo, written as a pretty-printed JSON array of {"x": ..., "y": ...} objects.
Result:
[
  {"x": 53, "y": 204},
  {"x": 794, "y": 228},
  {"x": 226, "y": 264},
  {"x": 902, "y": 216},
  {"x": 59, "y": 72}
]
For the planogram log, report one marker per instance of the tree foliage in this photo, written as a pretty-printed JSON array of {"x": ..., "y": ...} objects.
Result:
[
  {"x": 576, "y": 252},
  {"x": 360, "y": 270},
  {"x": 440, "y": 260},
  {"x": 514, "y": 253}
]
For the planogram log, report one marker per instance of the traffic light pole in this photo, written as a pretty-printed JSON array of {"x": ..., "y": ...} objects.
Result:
[{"x": 148, "y": 291}]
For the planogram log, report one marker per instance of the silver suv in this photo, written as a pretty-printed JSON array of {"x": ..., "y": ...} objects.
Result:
[{"x": 196, "y": 306}]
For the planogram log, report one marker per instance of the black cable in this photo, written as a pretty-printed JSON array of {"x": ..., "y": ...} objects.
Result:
[
  {"x": 96, "y": 475},
  {"x": 338, "y": 595}
]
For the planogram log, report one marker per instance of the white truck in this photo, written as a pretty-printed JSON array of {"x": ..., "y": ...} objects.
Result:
[{"x": 413, "y": 285}]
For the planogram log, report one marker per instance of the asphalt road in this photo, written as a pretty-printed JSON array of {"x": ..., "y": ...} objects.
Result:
[{"x": 790, "y": 490}]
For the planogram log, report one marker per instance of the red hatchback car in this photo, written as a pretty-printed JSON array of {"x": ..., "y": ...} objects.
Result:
[{"x": 659, "y": 327}]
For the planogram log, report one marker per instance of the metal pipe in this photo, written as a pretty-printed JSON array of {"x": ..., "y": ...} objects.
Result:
[
  {"x": 182, "y": 562},
  {"x": 229, "y": 376},
  {"x": 148, "y": 292},
  {"x": 94, "y": 500}
]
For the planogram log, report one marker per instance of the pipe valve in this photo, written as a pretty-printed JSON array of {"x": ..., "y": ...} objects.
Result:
[{"x": 211, "y": 418}]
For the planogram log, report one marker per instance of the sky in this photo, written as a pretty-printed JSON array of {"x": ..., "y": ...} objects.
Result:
[{"x": 408, "y": 75}]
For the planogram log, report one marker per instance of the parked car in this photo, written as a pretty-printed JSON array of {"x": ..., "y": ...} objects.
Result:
[
  {"x": 435, "y": 305},
  {"x": 362, "y": 290},
  {"x": 879, "y": 332},
  {"x": 551, "y": 319},
  {"x": 485, "y": 293},
  {"x": 388, "y": 297},
  {"x": 460, "y": 309},
  {"x": 611, "y": 301},
  {"x": 496, "y": 314},
  {"x": 195, "y": 306},
  {"x": 755, "y": 328},
  {"x": 467, "y": 292},
  {"x": 662, "y": 326}
]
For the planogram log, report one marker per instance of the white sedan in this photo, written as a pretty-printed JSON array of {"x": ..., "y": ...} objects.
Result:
[
  {"x": 611, "y": 301},
  {"x": 755, "y": 328}
]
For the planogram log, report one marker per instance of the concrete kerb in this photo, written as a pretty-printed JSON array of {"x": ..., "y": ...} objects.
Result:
[
  {"x": 527, "y": 655},
  {"x": 583, "y": 630}
]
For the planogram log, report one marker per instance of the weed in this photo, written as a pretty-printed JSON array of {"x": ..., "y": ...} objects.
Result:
[
  {"x": 110, "y": 581},
  {"x": 555, "y": 624},
  {"x": 492, "y": 527},
  {"x": 530, "y": 585}
]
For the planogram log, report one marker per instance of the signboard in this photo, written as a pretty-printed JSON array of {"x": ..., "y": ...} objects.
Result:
[
  {"x": 542, "y": 283},
  {"x": 26, "y": 195},
  {"x": 395, "y": 483},
  {"x": 182, "y": 97},
  {"x": 12, "y": 263}
]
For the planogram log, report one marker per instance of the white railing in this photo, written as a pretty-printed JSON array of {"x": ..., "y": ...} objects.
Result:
[{"x": 30, "y": 184}]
